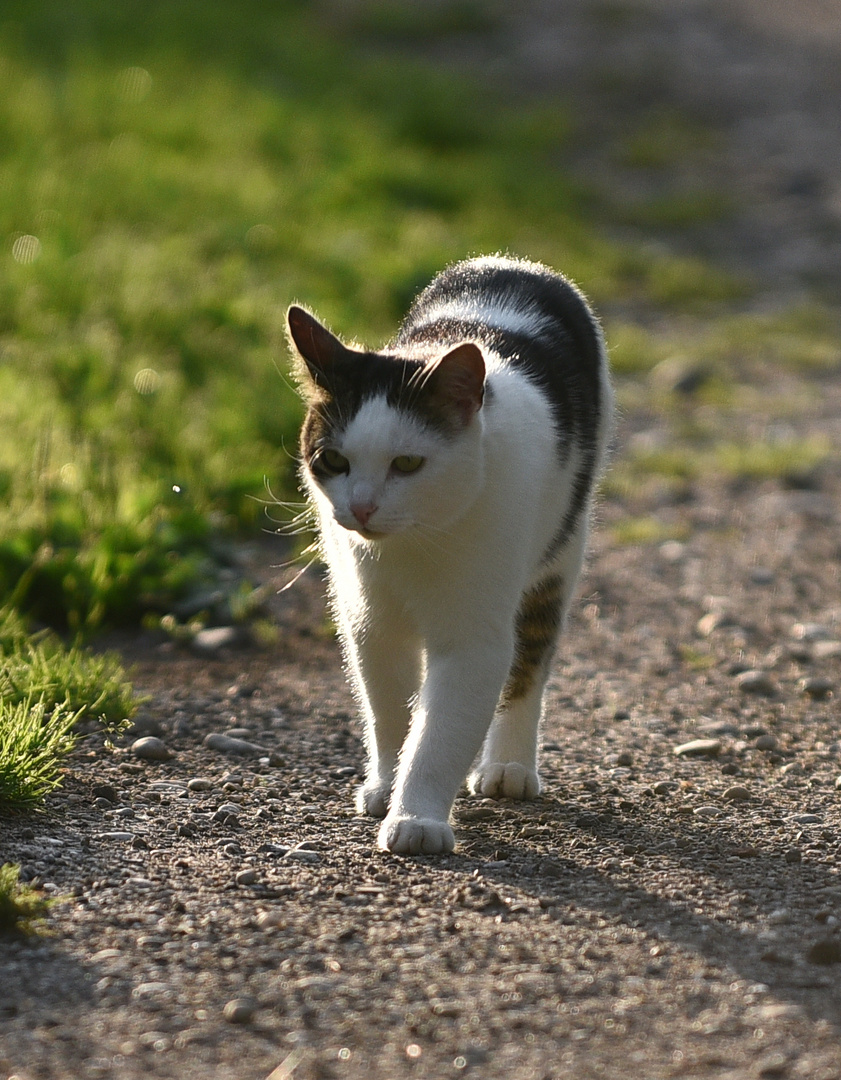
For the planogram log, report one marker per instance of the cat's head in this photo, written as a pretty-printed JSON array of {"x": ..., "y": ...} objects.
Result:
[{"x": 390, "y": 442}]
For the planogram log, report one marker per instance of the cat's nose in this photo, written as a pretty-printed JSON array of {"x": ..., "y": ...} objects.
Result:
[{"x": 363, "y": 511}]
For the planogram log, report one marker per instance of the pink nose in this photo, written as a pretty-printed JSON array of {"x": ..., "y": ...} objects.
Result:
[{"x": 363, "y": 511}]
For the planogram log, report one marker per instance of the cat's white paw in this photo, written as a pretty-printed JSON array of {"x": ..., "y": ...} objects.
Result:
[
  {"x": 373, "y": 798},
  {"x": 416, "y": 836},
  {"x": 505, "y": 781}
]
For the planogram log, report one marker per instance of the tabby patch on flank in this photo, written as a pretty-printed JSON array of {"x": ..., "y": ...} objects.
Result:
[{"x": 452, "y": 473}]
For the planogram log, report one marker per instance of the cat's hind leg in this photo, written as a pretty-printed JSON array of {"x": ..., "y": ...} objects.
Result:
[{"x": 507, "y": 768}]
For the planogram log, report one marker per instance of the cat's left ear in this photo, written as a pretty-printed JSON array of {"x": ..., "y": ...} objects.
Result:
[
  {"x": 319, "y": 349},
  {"x": 457, "y": 381}
]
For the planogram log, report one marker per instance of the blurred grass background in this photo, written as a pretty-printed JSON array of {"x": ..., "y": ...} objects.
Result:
[{"x": 174, "y": 174}]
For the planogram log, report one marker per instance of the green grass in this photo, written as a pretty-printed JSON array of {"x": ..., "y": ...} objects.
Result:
[
  {"x": 33, "y": 742},
  {"x": 22, "y": 908},
  {"x": 45, "y": 688},
  {"x": 172, "y": 176}
]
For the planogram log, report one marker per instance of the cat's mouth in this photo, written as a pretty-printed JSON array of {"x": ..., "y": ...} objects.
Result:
[{"x": 366, "y": 534}]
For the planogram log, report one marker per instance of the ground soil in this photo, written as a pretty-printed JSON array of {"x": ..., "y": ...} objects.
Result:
[{"x": 658, "y": 912}]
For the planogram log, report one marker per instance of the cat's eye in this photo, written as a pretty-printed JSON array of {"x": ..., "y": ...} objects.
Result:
[
  {"x": 407, "y": 463},
  {"x": 331, "y": 461}
]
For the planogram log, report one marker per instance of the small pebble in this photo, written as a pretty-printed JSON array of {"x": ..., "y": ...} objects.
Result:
[
  {"x": 227, "y": 745},
  {"x": 825, "y": 951},
  {"x": 793, "y": 855},
  {"x": 761, "y": 575},
  {"x": 199, "y": 784},
  {"x": 150, "y": 748},
  {"x": 827, "y": 650},
  {"x": 665, "y": 787},
  {"x": 625, "y": 759},
  {"x": 737, "y": 793},
  {"x": 817, "y": 686},
  {"x": 811, "y": 631},
  {"x": 215, "y": 639},
  {"x": 672, "y": 551},
  {"x": 246, "y": 877},
  {"x": 766, "y": 742},
  {"x": 713, "y": 621},
  {"x": 105, "y": 791},
  {"x": 756, "y": 682},
  {"x": 698, "y": 748},
  {"x": 794, "y": 768},
  {"x": 707, "y": 811},
  {"x": 269, "y": 920},
  {"x": 301, "y": 855},
  {"x": 240, "y": 1010},
  {"x": 807, "y": 819}
]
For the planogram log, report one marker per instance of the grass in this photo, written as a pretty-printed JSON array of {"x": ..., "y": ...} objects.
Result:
[
  {"x": 45, "y": 688},
  {"x": 22, "y": 908},
  {"x": 174, "y": 175}
]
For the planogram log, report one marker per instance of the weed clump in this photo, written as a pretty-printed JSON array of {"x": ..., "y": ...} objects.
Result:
[{"x": 22, "y": 908}]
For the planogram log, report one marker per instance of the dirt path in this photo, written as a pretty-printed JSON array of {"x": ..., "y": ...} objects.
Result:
[{"x": 657, "y": 913}]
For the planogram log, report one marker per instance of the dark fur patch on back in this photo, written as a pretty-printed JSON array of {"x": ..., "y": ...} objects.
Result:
[{"x": 563, "y": 355}]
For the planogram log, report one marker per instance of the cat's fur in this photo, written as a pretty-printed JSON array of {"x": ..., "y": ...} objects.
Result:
[{"x": 451, "y": 579}]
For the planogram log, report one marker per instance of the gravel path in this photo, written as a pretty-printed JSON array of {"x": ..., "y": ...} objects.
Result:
[{"x": 669, "y": 908}]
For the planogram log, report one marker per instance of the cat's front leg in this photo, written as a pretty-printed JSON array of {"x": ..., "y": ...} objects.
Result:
[
  {"x": 386, "y": 672},
  {"x": 454, "y": 710}
]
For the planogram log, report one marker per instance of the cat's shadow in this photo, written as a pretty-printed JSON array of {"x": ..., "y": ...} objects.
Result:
[{"x": 587, "y": 879}]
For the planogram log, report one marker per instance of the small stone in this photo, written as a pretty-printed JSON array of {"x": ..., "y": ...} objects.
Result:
[
  {"x": 215, "y": 639},
  {"x": 737, "y": 793},
  {"x": 150, "y": 748},
  {"x": 301, "y": 855},
  {"x": 105, "y": 791},
  {"x": 793, "y": 855},
  {"x": 625, "y": 759},
  {"x": 825, "y": 951},
  {"x": 756, "y": 682},
  {"x": 707, "y": 812},
  {"x": 827, "y": 650},
  {"x": 807, "y": 819},
  {"x": 817, "y": 686},
  {"x": 713, "y": 621},
  {"x": 811, "y": 631},
  {"x": 240, "y": 1010},
  {"x": 270, "y": 920},
  {"x": 246, "y": 877},
  {"x": 666, "y": 787},
  {"x": 698, "y": 748},
  {"x": 198, "y": 783},
  {"x": 761, "y": 575},
  {"x": 672, "y": 551},
  {"x": 794, "y": 768},
  {"x": 766, "y": 742},
  {"x": 227, "y": 745}
]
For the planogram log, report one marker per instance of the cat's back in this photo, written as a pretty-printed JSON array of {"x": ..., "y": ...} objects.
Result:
[{"x": 531, "y": 319}]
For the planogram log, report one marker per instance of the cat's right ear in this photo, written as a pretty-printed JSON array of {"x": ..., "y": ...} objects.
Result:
[{"x": 318, "y": 348}]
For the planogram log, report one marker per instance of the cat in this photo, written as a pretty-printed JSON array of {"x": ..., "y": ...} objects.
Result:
[{"x": 452, "y": 474}]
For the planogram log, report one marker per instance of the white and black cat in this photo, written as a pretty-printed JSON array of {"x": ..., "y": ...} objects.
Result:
[{"x": 452, "y": 473}]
